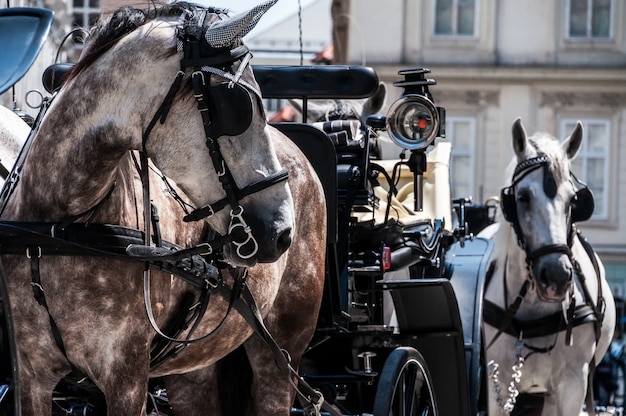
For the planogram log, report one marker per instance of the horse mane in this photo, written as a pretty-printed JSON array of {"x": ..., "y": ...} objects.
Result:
[
  {"x": 559, "y": 163},
  {"x": 107, "y": 32}
]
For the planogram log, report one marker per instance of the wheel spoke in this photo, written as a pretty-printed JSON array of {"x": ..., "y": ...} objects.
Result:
[
  {"x": 411, "y": 398},
  {"x": 402, "y": 393}
]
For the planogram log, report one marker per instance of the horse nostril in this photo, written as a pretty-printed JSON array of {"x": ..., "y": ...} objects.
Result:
[{"x": 283, "y": 241}]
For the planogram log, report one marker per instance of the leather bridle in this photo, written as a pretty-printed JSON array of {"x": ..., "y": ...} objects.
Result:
[
  {"x": 509, "y": 210},
  {"x": 189, "y": 39}
]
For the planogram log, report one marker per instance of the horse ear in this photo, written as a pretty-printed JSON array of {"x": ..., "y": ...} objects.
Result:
[
  {"x": 227, "y": 32},
  {"x": 375, "y": 102},
  {"x": 571, "y": 145},
  {"x": 519, "y": 138}
]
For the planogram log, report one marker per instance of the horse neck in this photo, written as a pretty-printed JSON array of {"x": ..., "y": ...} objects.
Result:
[{"x": 68, "y": 173}]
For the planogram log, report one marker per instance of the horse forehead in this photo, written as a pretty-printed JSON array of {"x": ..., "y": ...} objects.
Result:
[
  {"x": 544, "y": 143},
  {"x": 537, "y": 184},
  {"x": 551, "y": 174}
]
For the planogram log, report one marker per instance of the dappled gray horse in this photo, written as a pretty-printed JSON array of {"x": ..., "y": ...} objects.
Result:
[{"x": 83, "y": 298}]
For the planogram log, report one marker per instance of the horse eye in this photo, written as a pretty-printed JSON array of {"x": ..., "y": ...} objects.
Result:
[{"x": 523, "y": 196}]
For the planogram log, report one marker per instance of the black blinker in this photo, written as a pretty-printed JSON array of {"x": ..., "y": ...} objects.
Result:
[
  {"x": 549, "y": 182},
  {"x": 582, "y": 205},
  {"x": 231, "y": 110}
]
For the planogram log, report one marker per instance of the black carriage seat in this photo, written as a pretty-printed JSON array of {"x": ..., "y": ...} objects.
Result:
[
  {"x": 329, "y": 82},
  {"x": 23, "y": 30},
  {"x": 347, "y": 158},
  {"x": 325, "y": 82},
  {"x": 316, "y": 81}
]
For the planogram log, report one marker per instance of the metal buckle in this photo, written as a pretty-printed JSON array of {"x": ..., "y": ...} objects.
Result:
[{"x": 28, "y": 254}]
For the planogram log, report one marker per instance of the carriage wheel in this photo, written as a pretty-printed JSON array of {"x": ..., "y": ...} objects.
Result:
[{"x": 405, "y": 387}]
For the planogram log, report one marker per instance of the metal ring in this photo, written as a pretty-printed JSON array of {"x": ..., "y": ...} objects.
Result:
[{"x": 40, "y": 96}]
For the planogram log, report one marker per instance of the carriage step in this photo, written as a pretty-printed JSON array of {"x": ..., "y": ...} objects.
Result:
[{"x": 416, "y": 298}]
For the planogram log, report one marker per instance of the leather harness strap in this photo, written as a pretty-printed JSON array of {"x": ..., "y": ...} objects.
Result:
[
  {"x": 506, "y": 322},
  {"x": 533, "y": 328},
  {"x": 247, "y": 307},
  {"x": 109, "y": 241}
]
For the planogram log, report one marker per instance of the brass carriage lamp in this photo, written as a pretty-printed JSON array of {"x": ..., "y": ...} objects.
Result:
[{"x": 413, "y": 122}]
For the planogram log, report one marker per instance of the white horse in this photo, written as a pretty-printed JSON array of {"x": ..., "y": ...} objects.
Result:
[{"x": 548, "y": 311}]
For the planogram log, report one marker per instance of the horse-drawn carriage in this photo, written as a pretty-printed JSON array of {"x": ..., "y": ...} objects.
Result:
[{"x": 375, "y": 307}]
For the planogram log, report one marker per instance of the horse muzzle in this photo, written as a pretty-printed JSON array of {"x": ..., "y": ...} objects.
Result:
[
  {"x": 253, "y": 241},
  {"x": 553, "y": 274}
]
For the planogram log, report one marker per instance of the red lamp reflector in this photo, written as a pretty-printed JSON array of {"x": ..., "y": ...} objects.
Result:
[{"x": 386, "y": 258}]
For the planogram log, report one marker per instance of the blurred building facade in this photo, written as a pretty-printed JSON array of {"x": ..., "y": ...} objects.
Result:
[{"x": 550, "y": 62}]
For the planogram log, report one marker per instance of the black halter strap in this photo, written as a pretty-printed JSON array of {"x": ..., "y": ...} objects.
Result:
[
  {"x": 510, "y": 211},
  {"x": 193, "y": 57},
  {"x": 549, "y": 249},
  {"x": 233, "y": 193}
]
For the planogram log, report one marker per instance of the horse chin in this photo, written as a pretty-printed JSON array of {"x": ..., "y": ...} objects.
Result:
[{"x": 232, "y": 258}]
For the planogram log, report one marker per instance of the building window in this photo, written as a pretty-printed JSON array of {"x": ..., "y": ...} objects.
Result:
[
  {"x": 455, "y": 17},
  {"x": 591, "y": 165},
  {"x": 461, "y": 131},
  {"x": 86, "y": 13},
  {"x": 590, "y": 19}
]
